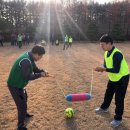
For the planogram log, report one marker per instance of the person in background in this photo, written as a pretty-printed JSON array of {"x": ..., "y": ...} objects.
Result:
[
  {"x": 1, "y": 40},
  {"x": 19, "y": 39},
  {"x": 23, "y": 39},
  {"x": 52, "y": 39},
  {"x": 27, "y": 37},
  {"x": 70, "y": 41},
  {"x": 66, "y": 44}
]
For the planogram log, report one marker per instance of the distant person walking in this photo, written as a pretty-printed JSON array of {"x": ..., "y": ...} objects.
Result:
[
  {"x": 19, "y": 39},
  {"x": 1, "y": 40},
  {"x": 27, "y": 39},
  {"x": 118, "y": 73},
  {"x": 66, "y": 44},
  {"x": 13, "y": 39},
  {"x": 52, "y": 39},
  {"x": 70, "y": 41}
]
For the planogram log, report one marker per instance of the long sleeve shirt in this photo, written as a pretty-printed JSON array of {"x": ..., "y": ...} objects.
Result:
[{"x": 25, "y": 66}]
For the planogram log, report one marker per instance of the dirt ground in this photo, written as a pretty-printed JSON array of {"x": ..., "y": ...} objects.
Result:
[{"x": 72, "y": 69}]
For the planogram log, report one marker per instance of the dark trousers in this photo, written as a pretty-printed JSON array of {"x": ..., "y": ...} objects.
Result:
[
  {"x": 70, "y": 44},
  {"x": 66, "y": 45},
  {"x": 1, "y": 42},
  {"x": 20, "y": 98},
  {"x": 20, "y": 44},
  {"x": 119, "y": 89}
]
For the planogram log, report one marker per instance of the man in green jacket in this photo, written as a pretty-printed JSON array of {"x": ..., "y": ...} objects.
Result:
[
  {"x": 118, "y": 72},
  {"x": 24, "y": 70}
]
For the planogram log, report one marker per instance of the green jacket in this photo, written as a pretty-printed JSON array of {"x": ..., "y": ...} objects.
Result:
[{"x": 16, "y": 78}]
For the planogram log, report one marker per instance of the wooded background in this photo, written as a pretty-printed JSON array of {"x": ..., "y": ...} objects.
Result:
[{"x": 81, "y": 20}]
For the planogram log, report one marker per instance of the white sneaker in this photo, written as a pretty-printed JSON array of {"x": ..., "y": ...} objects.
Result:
[
  {"x": 115, "y": 123},
  {"x": 100, "y": 110}
]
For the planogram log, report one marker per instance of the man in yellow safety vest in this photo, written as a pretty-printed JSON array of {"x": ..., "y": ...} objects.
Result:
[{"x": 118, "y": 72}]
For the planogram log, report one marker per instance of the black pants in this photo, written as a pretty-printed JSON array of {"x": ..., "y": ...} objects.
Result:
[
  {"x": 1, "y": 42},
  {"x": 119, "y": 89},
  {"x": 20, "y": 44},
  {"x": 20, "y": 98}
]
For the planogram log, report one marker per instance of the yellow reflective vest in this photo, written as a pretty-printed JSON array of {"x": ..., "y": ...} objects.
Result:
[
  {"x": 124, "y": 70},
  {"x": 70, "y": 40}
]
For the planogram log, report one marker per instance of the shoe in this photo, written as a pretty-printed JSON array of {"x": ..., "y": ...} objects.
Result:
[
  {"x": 22, "y": 128},
  {"x": 28, "y": 118},
  {"x": 100, "y": 110},
  {"x": 115, "y": 123},
  {"x": 28, "y": 115}
]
